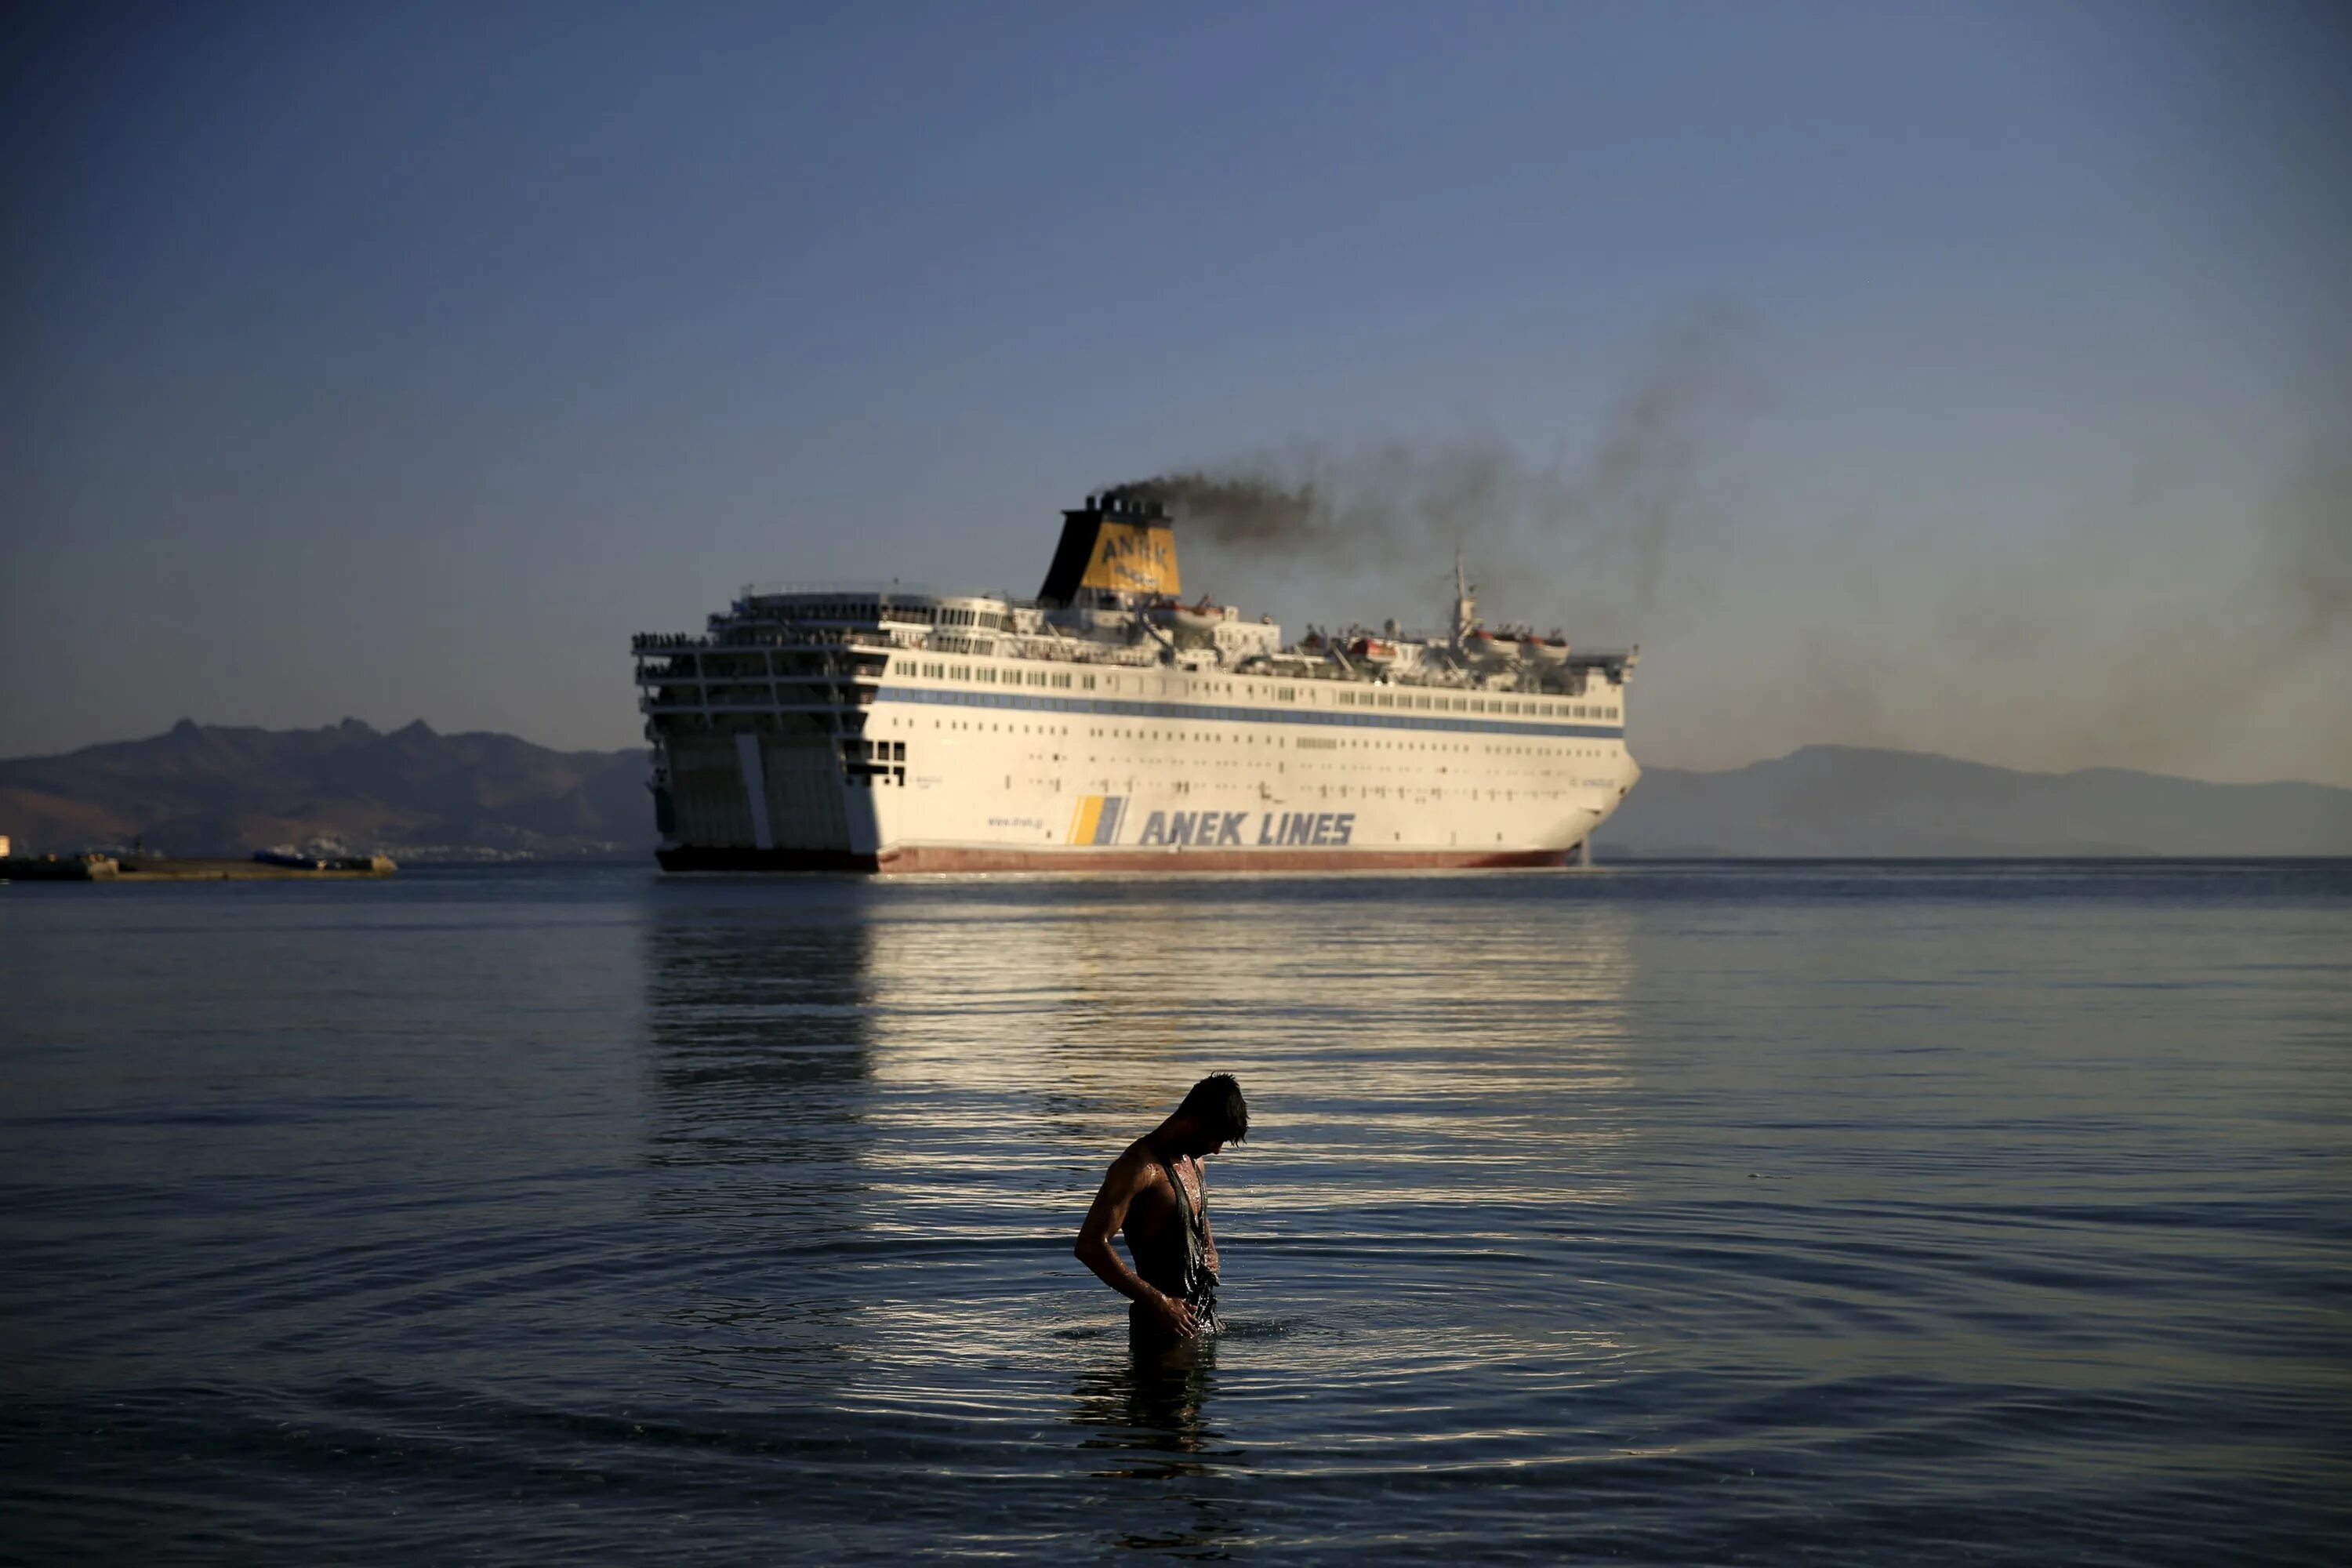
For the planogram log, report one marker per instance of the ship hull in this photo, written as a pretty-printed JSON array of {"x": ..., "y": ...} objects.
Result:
[{"x": 946, "y": 859}]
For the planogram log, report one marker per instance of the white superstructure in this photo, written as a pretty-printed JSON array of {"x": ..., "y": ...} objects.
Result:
[{"x": 1109, "y": 726}]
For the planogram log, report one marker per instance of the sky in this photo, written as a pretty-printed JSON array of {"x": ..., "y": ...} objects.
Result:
[{"x": 1974, "y": 379}]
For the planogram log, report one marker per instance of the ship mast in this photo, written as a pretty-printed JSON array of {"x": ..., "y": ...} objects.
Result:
[{"x": 1466, "y": 605}]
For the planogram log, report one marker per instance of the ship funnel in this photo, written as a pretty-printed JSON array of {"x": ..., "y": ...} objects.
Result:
[{"x": 1123, "y": 544}]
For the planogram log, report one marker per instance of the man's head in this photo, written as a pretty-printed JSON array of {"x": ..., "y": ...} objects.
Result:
[{"x": 1215, "y": 1114}]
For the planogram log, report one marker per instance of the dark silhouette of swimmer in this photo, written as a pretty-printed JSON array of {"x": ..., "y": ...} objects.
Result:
[{"x": 1158, "y": 1193}]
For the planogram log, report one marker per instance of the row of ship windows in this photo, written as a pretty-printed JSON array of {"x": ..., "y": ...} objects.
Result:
[
  {"x": 1524, "y": 707},
  {"x": 1316, "y": 743},
  {"x": 987, "y": 675},
  {"x": 1440, "y": 702},
  {"x": 897, "y": 750},
  {"x": 866, "y": 612}
]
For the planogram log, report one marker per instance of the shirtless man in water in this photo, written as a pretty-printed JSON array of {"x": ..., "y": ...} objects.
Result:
[{"x": 1156, "y": 1191}]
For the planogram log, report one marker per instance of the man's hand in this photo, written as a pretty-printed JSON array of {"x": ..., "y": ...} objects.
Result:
[{"x": 1176, "y": 1316}]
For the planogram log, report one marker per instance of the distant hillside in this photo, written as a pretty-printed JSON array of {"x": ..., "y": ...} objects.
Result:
[
  {"x": 1837, "y": 801},
  {"x": 202, "y": 788}
]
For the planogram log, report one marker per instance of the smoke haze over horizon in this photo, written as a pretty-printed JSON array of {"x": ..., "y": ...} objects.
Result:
[{"x": 1971, "y": 384}]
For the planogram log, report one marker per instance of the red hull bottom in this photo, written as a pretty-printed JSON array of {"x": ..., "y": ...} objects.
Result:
[{"x": 919, "y": 860}]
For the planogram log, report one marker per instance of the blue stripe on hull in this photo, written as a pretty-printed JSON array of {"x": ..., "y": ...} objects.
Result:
[{"x": 1204, "y": 712}]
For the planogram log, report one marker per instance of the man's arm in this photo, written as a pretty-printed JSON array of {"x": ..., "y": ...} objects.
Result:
[{"x": 1128, "y": 1178}]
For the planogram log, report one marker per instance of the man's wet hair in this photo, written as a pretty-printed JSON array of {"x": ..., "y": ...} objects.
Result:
[{"x": 1216, "y": 1103}]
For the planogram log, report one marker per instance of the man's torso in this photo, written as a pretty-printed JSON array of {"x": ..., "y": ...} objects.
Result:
[{"x": 1156, "y": 1224}]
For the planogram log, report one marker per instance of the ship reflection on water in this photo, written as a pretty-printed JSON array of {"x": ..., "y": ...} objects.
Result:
[{"x": 757, "y": 1088}]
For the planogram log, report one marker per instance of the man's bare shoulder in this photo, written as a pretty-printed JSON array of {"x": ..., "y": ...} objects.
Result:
[
  {"x": 1137, "y": 1171},
  {"x": 1132, "y": 1178}
]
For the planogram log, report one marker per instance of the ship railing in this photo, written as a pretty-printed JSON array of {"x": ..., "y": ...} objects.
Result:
[
  {"x": 806, "y": 637},
  {"x": 724, "y": 677},
  {"x": 1292, "y": 663},
  {"x": 650, "y": 647},
  {"x": 1047, "y": 647},
  {"x": 895, "y": 588}
]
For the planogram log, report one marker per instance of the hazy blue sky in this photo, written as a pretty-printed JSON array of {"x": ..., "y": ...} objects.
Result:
[{"x": 1972, "y": 378}]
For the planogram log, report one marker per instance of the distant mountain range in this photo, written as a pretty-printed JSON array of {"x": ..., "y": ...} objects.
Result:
[
  {"x": 201, "y": 788},
  {"x": 1842, "y": 801}
]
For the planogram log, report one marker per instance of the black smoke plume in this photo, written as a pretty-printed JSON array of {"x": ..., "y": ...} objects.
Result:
[{"x": 1612, "y": 521}]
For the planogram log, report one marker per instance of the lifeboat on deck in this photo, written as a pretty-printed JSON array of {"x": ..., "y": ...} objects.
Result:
[
  {"x": 1372, "y": 651},
  {"x": 1551, "y": 652},
  {"x": 1483, "y": 648},
  {"x": 1202, "y": 618},
  {"x": 1199, "y": 620}
]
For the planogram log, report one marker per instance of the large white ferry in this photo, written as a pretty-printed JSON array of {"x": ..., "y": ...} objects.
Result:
[{"x": 1106, "y": 725}]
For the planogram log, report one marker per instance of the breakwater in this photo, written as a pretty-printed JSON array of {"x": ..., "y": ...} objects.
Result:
[{"x": 186, "y": 868}]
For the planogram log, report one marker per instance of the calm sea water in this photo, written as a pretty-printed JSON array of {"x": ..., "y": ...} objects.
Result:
[{"x": 1686, "y": 1213}]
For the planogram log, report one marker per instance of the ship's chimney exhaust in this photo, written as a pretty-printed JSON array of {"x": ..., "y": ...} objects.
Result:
[{"x": 1116, "y": 541}]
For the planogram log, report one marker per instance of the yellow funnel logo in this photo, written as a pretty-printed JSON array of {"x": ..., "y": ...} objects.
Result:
[{"x": 1134, "y": 558}]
